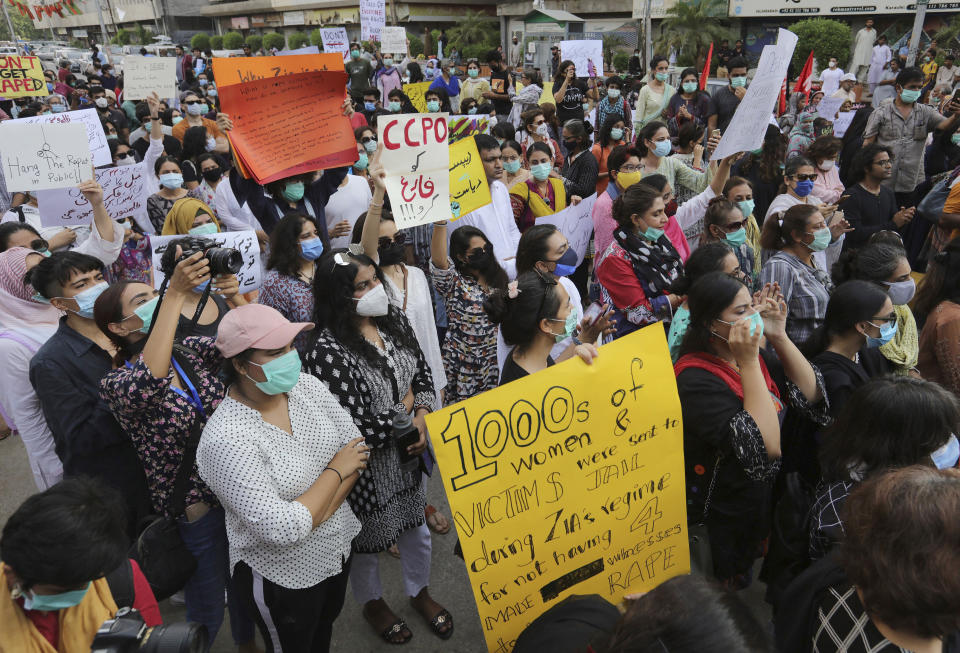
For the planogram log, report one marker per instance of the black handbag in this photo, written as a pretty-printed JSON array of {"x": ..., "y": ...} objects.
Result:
[
  {"x": 701, "y": 556},
  {"x": 164, "y": 559}
]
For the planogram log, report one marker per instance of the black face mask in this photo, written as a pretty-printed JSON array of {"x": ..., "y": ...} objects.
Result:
[
  {"x": 392, "y": 254},
  {"x": 213, "y": 174},
  {"x": 482, "y": 260}
]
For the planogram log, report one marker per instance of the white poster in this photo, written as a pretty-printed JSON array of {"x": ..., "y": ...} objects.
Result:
[
  {"x": 587, "y": 56},
  {"x": 40, "y": 156},
  {"x": 335, "y": 40},
  {"x": 96, "y": 139},
  {"x": 243, "y": 241},
  {"x": 393, "y": 40},
  {"x": 756, "y": 107},
  {"x": 576, "y": 223},
  {"x": 416, "y": 158},
  {"x": 309, "y": 49},
  {"x": 828, "y": 107},
  {"x": 842, "y": 123},
  {"x": 125, "y": 192},
  {"x": 144, "y": 75},
  {"x": 373, "y": 17}
]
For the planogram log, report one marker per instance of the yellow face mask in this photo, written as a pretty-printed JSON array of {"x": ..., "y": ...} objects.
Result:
[{"x": 627, "y": 179}]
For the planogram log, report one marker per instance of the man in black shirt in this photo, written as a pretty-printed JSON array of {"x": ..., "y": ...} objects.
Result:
[
  {"x": 500, "y": 87},
  {"x": 634, "y": 67},
  {"x": 360, "y": 71},
  {"x": 723, "y": 58},
  {"x": 724, "y": 102},
  {"x": 554, "y": 60},
  {"x": 870, "y": 205}
]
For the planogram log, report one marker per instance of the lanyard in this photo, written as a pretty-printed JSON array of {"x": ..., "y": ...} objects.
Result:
[{"x": 193, "y": 397}]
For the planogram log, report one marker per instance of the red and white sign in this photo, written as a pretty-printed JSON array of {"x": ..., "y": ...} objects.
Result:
[{"x": 416, "y": 158}]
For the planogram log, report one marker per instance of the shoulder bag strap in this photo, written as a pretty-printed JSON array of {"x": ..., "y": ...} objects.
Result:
[{"x": 178, "y": 495}]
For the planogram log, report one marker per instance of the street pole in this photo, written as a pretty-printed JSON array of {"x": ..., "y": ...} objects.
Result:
[
  {"x": 917, "y": 29},
  {"x": 13, "y": 36},
  {"x": 103, "y": 30},
  {"x": 647, "y": 35}
]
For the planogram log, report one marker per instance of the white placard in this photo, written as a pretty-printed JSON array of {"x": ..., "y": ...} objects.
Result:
[
  {"x": 842, "y": 123},
  {"x": 96, "y": 139},
  {"x": 335, "y": 40},
  {"x": 587, "y": 56},
  {"x": 416, "y": 158},
  {"x": 756, "y": 107},
  {"x": 373, "y": 17},
  {"x": 36, "y": 157},
  {"x": 393, "y": 40},
  {"x": 829, "y": 106},
  {"x": 243, "y": 241},
  {"x": 309, "y": 49},
  {"x": 576, "y": 223},
  {"x": 144, "y": 75},
  {"x": 125, "y": 193}
]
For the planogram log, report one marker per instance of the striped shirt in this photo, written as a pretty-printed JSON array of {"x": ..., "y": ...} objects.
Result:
[{"x": 805, "y": 289}]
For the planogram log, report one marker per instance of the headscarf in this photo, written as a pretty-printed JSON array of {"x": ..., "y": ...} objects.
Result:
[
  {"x": 789, "y": 118},
  {"x": 801, "y": 135},
  {"x": 180, "y": 218},
  {"x": 19, "y": 313}
]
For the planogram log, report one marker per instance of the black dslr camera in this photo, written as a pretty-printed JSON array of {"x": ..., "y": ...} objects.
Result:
[
  {"x": 223, "y": 260},
  {"x": 127, "y": 633}
]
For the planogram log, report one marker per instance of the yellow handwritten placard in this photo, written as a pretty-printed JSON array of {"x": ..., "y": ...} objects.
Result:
[
  {"x": 469, "y": 189},
  {"x": 568, "y": 481},
  {"x": 547, "y": 96},
  {"x": 22, "y": 76},
  {"x": 416, "y": 94}
]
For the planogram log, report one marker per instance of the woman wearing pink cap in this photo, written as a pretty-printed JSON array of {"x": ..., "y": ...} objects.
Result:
[{"x": 281, "y": 454}]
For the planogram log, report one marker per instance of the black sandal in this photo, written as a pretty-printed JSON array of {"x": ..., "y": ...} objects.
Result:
[
  {"x": 439, "y": 620},
  {"x": 396, "y": 629}
]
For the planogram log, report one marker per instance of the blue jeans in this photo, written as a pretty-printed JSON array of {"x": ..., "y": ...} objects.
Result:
[{"x": 206, "y": 539}]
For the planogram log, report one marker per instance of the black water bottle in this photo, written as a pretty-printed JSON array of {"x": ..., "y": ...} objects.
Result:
[{"x": 406, "y": 433}]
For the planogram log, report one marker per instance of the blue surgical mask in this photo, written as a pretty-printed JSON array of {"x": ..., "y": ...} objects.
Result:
[
  {"x": 513, "y": 166},
  {"x": 472, "y": 111},
  {"x": 387, "y": 62},
  {"x": 653, "y": 234},
  {"x": 54, "y": 602},
  {"x": 204, "y": 229},
  {"x": 370, "y": 106},
  {"x": 86, "y": 299},
  {"x": 370, "y": 146},
  {"x": 394, "y": 107},
  {"x": 176, "y": 120},
  {"x": 145, "y": 312},
  {"x": 541, "y": 171},
  {"x": 746, "y": 207},
  {"x": 689, "y": 87},
  {"x": 821, "y": 240},
  {"x": 362, "y": 161},
  {"x": 901, "y": 292},
  {"x": 586, "y": 107},
  {"x": 195, "y": 109},
  {"x": 662, "y": 148},
  {"x": 311, "y": 249},
  {"x": 616, "y": 133},
  {"x": 171, "y": 180},
  {"x": 804, "y": 188},
  {"x": 887, "y": 332},
  {"x": 202, "y": 287},
  {"x": 737, "y": 238},
  {"x": 282, "y": 374},
  {"x": 613, "y": 93},
  {"x": 58, "y": 108},
  {"x": 946, "y": 457},
  {"x": 433, "y": 106},
  {"x": 566, "y": 264},
  {"x": 49, "y": 87}
]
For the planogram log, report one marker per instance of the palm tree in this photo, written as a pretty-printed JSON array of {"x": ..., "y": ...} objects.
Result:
[
  {"x": 691, "y": 27},
  {"x": 473, "y": 28}
]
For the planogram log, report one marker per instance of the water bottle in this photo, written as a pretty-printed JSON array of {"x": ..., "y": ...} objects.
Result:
[{"x": 406, "y": 433}]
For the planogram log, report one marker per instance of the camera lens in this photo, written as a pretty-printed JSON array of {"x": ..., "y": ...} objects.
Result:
[
  {"x": 224, "y": 260},
  {"x": 175, "y": 638}
]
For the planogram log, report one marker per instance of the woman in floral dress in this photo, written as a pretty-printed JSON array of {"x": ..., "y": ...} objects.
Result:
[{"x": 464, "y": 279}]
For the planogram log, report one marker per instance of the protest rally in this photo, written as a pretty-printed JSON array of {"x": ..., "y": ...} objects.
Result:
[{"x": 480, "y": 328}]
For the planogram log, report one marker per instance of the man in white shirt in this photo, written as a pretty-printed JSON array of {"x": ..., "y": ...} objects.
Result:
[
  {"x": 847, "y": 82},
  {"x": 863, "y": 51},
  {"x": 830, "y": 78},
  {"x": 343, "y": 205},
  {"x": 947, "y": 73},
  {"x": 495, "y": 220}
]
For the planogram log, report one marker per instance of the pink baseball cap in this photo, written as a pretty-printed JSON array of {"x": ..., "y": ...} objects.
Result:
[{"x": 255, "y": 326}]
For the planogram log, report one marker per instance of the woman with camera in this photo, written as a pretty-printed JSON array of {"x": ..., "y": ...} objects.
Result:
[
  {"x": 282, "y": 454},
  {"x": 368, "y": 355},
  {"x": 161, "y": 394}
]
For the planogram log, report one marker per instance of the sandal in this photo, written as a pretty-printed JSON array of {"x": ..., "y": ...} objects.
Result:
[
  {"x": 396, "y": 629},
  {"x": 394, "y": 551},
  {"x": 436, "y": 520},
  {"x": 440, "y": 620}
]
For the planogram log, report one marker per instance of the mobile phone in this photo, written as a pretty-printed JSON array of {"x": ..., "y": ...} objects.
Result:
[
  {"x": 715, "y": 133},
  {"x": 593, "y": 313}
]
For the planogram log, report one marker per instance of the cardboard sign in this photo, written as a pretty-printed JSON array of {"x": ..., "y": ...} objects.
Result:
[
  {"x": 587, "y": 56},
  {"x": 467, "y": 126},
  {"x": 568, "y": 481},
  {"x": 125, "y": 193},
  {"x": 96, "y": 139},
  {"x": 310, "y": 49},
  {"x": 271, "y": 114},
  {"x": 576, "y": 223},
  {"x": 756, "y": 107},
  {"x": 144, "y": 75},
  {"x": 416, "y": 159},
  {"x": 469, "y": 189},
  {"x": 243, "y": 241},
  {"x": 22, "y": 77},
  {"x": 393, "y": 40},
  {"x": 42, "y": 156},
  {"x": 373, "y": 17},
  {"x": 842, "y": 123},
  {"x": 335, "y": 40},
  {"x": 416, "y": 94},
  {"x": 237, "y": 70}
]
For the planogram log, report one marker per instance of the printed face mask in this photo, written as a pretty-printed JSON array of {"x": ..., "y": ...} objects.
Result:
[
  {"x": 543, "y": 130},
  {"x": 282, "y": 374}
]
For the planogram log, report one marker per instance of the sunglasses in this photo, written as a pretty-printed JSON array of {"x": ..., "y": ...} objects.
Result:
[
  {"x": 805, "y": 177},
  {"x": 367, "y": 139},
  {"x": 399, "y": 238},
  {"x": 733, "y": 226},
  {"x": 189, "y": 102}
]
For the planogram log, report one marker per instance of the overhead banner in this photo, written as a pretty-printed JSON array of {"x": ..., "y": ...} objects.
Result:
[
  {"x": 805, "y": 8},
  {"x": 568, "y": 481}
]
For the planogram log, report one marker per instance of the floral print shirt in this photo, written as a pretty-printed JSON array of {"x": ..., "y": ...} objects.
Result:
[
  {"x": 293, "y": 299},
  {"x": 159, "y": 418}
]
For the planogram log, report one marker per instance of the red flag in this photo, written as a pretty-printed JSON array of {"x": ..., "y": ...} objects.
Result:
[
  {"x": 782, "y": 105},
  {"x": 706, "y": 69},
  {"x": 806, "y": 77}
]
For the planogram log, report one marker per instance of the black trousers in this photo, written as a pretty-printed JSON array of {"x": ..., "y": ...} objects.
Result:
[{"x": 293, "y": 620}]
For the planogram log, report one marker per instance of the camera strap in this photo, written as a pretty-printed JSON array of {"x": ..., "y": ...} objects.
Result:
[{"x": 178, "y": 494}]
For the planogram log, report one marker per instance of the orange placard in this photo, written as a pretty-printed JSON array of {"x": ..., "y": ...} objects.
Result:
[
  {"x": 289, "y": 124},
  {"x": 238, "y": 70}
]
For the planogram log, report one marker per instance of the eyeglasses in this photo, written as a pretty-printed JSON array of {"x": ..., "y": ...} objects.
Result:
[
  {"x": 189, "y": 102},
  {"x": 886, "y": 163},
  {"x": 367, "y": 139},
  {"x": 399, "y": 238},
  {"x": 343, "y": 258},
  {"x": 630, "y": 168},
  {"x": 805, "y": 177},
  {"x": 889, "y": 318}
]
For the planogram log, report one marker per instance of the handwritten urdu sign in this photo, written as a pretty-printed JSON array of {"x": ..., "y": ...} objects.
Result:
[
  {"x": 125, "y": 193},
  {"x": 416, "y": 159},
  {"x": 243, "y": 241},
  {"x": 469, "y": 189}
]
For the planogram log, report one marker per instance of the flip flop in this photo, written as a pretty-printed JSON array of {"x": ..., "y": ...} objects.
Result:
[
  {"x": 440, "y": 620},
  {"x": 436, "y": 520}
]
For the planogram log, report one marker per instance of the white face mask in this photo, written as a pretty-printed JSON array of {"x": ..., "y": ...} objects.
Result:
[
  {"x": 375, "y": 303},
  {"x": 543, "y": 130},
  {"x": 826, "y": 166}
]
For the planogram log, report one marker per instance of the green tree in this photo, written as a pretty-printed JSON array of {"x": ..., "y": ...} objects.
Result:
[
  {"x": 123, "y": 37},
  {"x": 416, "y": 44},
  {"x": 611, "y": 43},
  {"x": 255, "y": 41},
  {"x": 271, "y": 40},
  {"x": 216, "y": 42},
  {"x": 232, "y": 40},
  {"x": 473, "y": 29},
  {"x": 297, "y": 40},
  {"x": 621, "y": 61},
  {"x": 690, "y": 28},
  {"x": 825, "y": 37},
  {"x": 141, "y": 35},
  {"x": 316, "y": 38},
  {"x": 200, "y": 40},
  {"x": 946, "y": 37},
  {"x": 23, "y": 28}
]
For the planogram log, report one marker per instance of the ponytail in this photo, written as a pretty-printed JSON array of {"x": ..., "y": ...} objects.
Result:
[{"x": 778, "y": 227}]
